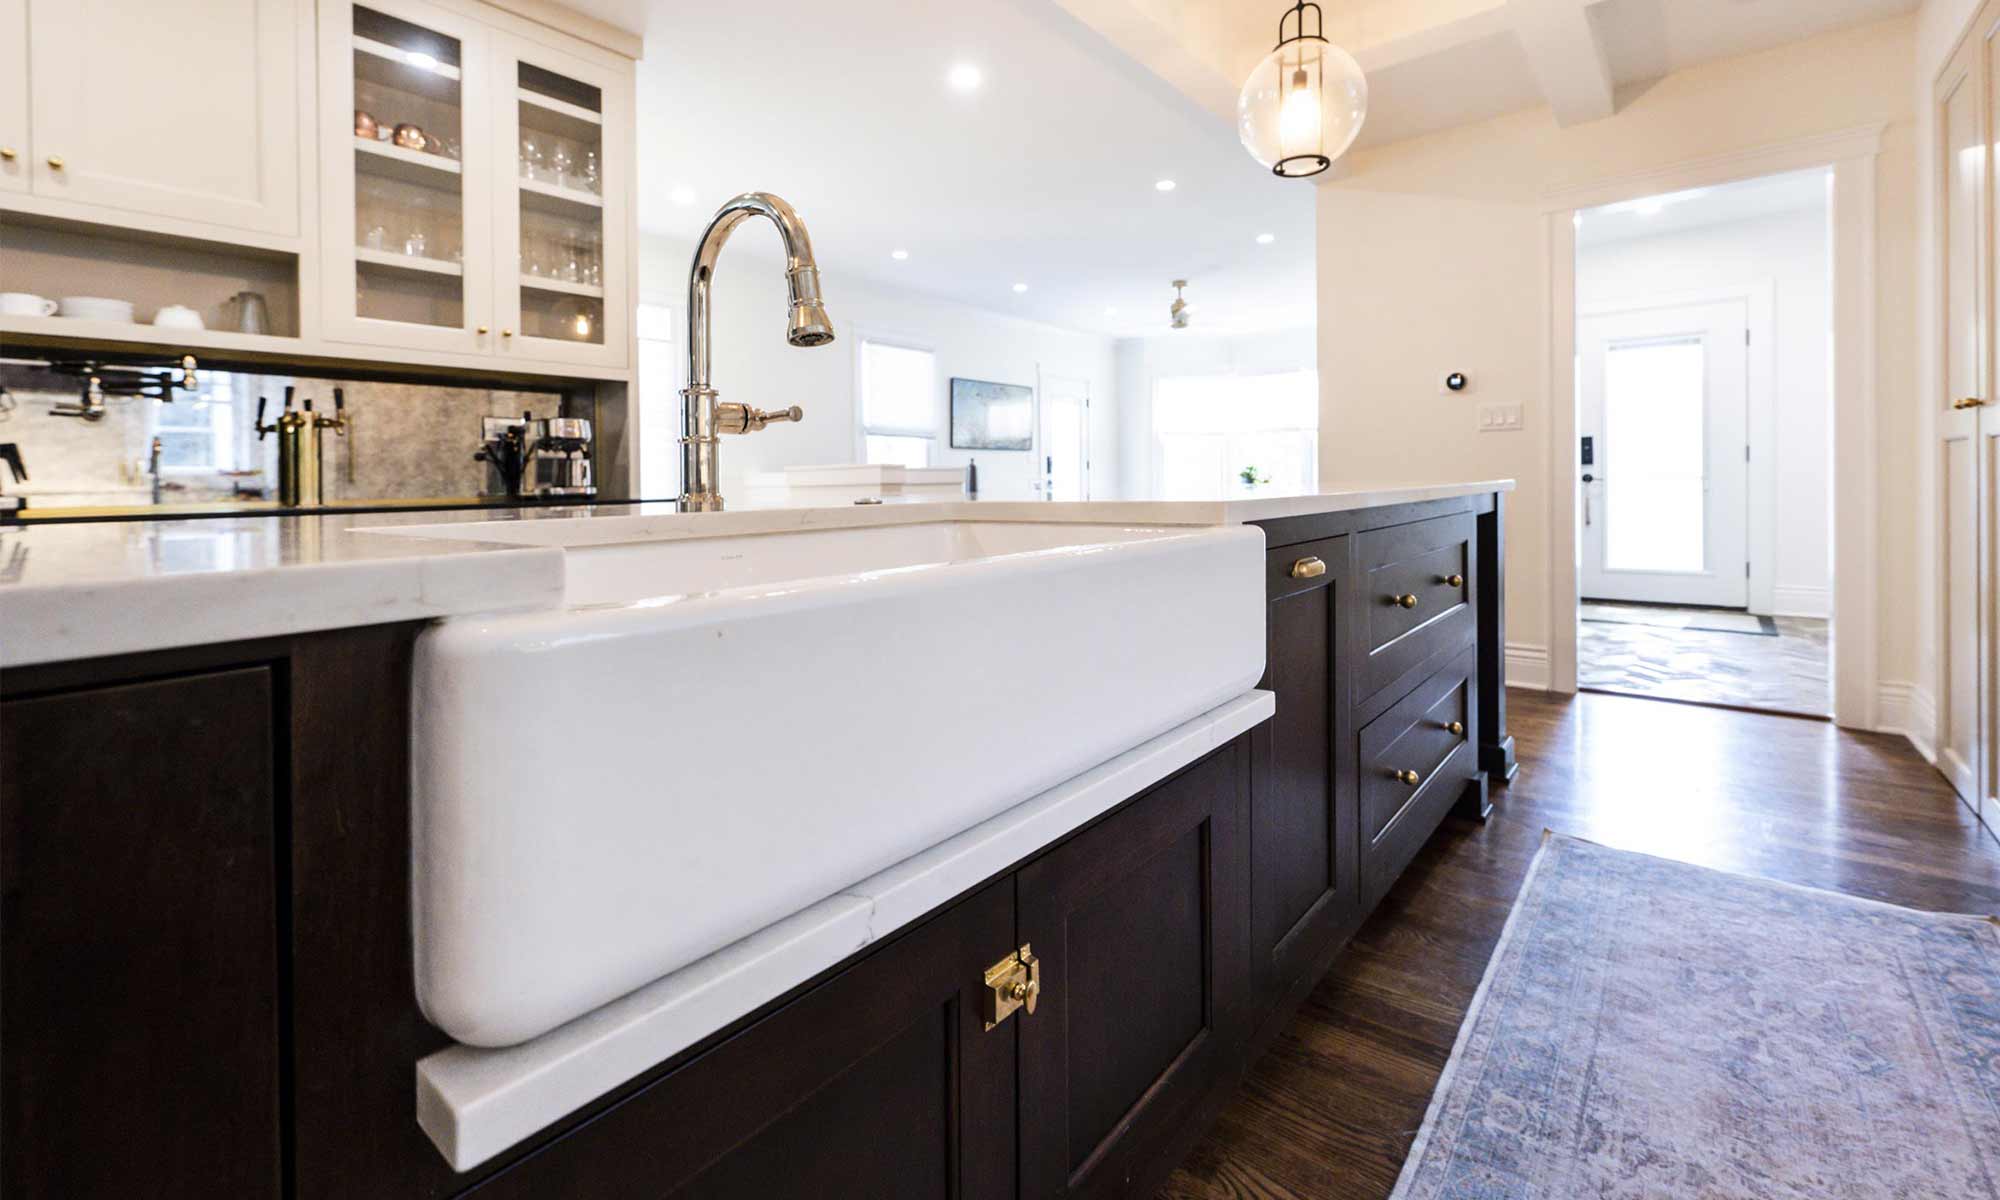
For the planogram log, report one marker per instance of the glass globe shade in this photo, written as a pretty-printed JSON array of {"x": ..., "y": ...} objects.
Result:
[{"x": 1302, "y": 107}]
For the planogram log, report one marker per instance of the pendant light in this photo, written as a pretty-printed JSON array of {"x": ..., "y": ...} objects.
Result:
[
  {"x": 1177, "y": 313},
  {"x": 1304, "y": 104}
]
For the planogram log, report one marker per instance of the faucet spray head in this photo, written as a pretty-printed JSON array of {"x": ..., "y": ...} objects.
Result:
[{"x": 808, "y": 324}]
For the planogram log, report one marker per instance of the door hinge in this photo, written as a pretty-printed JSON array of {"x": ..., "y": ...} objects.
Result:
[
  {"x": 1746, "y": 337},
  {"x": 1746, "y": 570},
  {"x": 1013, "y": 982}
]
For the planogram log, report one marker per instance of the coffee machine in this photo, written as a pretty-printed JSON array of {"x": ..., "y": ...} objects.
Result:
[{"x": 559, "y": 464}]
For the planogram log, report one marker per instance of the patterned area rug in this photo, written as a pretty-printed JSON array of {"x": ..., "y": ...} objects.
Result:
[{"x": 1652, "y": 1029}]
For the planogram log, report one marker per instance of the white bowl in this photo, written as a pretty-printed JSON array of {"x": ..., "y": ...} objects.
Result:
[
  {"x": 178, "y": 316},
  {"x": 96, "y": 308}
]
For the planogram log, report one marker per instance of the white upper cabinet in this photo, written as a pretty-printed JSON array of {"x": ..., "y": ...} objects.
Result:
[
  {"x": 14, "y": 145},
  {"x": 407, "y": 163},
  {"x": 186, "y": 109},
  {"x": 560, "y": 216}
]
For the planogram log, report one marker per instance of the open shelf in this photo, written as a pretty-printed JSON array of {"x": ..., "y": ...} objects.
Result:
[
  {"x": 407, "y": 166},
  {"x": 541, "y": 283},
  {"x": 190, "y": 340}
]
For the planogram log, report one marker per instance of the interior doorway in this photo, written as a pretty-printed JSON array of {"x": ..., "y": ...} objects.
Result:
[
  {"x": 1064, "y": 439},
  {"x": 1704, "y": 445}
]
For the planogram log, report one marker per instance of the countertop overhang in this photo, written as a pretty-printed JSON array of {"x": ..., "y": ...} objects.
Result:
[{"x": 77, "y": 591}]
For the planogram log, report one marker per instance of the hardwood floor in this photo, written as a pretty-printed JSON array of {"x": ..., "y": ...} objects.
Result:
[{"x": 1330, "y": 1111}]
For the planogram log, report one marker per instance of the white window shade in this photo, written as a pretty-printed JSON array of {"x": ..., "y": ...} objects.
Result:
[
  {"x": 1236, "y": 403},
  {"x": 898, "y": 390}
]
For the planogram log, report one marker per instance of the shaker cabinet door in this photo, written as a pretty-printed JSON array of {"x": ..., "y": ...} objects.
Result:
[
  {"x": 882, "y": 1081},
  {"x": 1138, "y": 924},
  {"x": 138, "y": 941},
  {"x": 179, "y": 108},
  {"x": 1304, "y": 894},
  {"x": 15, "y": 148}
]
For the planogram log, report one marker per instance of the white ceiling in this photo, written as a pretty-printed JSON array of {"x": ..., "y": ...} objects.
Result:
[
  {"x": 1043, "y": 176},
  {"x": 1433, "y": 64},
  {"x": 1674, "y": 212}
]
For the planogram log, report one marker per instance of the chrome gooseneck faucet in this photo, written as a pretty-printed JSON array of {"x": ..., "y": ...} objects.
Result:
[{"x": 703, "y": 419}]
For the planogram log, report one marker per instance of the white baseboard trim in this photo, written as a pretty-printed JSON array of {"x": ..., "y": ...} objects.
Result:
[
  {"x": 1909, "y": 710},
  {"x": 1801, "y": 602},
  {"x": 1528, "y": 666}
]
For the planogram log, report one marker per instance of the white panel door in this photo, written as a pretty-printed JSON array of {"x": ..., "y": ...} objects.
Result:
[
  {"x": 1664, "y": 399},
  {"x": 179, "y": 108},
  {"x": 1064, "y": 443},
  {"x": 15, "y": 147},
  {"x": 1964, "y": 278}
]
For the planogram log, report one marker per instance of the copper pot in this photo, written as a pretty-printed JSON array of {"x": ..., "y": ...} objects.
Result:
[
  {"x": 364, "y": 125},
  {"x": 409, "y": 137}
]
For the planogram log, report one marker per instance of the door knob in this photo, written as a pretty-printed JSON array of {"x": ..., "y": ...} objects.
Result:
[
  {"x": 1407, "y": 600},
  {"x": 1308, "y": 568},
  {"x": 1409, "y": 778}
]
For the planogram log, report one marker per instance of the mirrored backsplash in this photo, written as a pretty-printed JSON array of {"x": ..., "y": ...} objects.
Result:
[{"x": 403, "y": 442}]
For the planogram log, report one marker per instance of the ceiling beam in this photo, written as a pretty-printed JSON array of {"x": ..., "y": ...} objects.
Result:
[{"x": 1566, "y": 56}]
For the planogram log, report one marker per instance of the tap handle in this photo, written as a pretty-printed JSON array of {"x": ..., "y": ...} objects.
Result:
[
  {"x": 339, "y": 401},
  {"x": 261, "y": 428},
  {"x": 10, "y": 453},
  {"x": 289, "y": 389}
]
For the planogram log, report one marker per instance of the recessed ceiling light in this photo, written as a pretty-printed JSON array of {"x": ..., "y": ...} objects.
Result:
[
  {"x": 1019, "y": 288},
  {"x": 682, "y": 196},
  {"x": 899, "y": 255},
  {"x": 1164, "y": 185},
  {"x": 1110, "y": 312},
  {"x": 1265, "y": 239},
  {"x": 964, "y": 77}
]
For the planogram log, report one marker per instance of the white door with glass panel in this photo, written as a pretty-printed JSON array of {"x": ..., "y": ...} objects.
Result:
[
  {"x": 1065, "y": 439},
  {"x": 1665, "y": 496}
]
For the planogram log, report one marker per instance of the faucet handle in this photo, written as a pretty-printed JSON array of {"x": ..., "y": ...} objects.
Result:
[{"x": 741, "y": 418}]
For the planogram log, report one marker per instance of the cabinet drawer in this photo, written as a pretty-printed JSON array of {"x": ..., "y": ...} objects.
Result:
[
  {"x": 1416, "y": 594},
  {"x": 1425, "y": 736}
]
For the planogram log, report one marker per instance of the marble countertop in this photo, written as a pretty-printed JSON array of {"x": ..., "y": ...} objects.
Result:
[{"x": 83, "y": 590}]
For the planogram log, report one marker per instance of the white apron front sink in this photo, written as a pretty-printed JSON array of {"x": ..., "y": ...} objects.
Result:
[{"x": 715, "y": 733}]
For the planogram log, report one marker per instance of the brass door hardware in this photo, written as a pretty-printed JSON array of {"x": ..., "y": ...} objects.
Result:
[
  {"x": 506, "y": 333},
  {"x": 1967, "y": 402},
  {"x": 55, "y": 162},
  {"x": 1410, "y": 778},
  {"x": 1455, "y": 728},
  {"x": 1456, "y": 581},
  {"x": 1308, "y": 567},
  {"x": 7, "y": 153},
  {"x": 1013, "y": 982},
  {"x": 1406, "y": 600},
  {"x": 481, "y": 331}
]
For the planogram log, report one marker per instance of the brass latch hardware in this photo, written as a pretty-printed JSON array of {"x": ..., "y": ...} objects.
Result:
[
  {"x": 1013, "y": 982},
  {"x": 1309, "y": 568},
  {"x": 1968, "y": 402}
]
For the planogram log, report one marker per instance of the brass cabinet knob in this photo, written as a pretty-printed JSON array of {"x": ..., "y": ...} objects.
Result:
[
  {"x": 1408, "y": 777},
  {"x": 55, "y": 162},
  {"x": 481, "y": 331},
  {"x": 1967, "y": 402},
  {"x": 1308, "y": 568},
  {"x": 1456, "y": 581},
  {"x": 1457, "y": 728},
  {"x": 506, "y": 333},
  {"x": 1407, "y": 600},
  {"x": 8, "y": 154}
]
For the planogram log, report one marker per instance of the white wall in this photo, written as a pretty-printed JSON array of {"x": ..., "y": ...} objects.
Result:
[
  {"x": 1433, "y": 258},
  {"x": 1143, "y": 360},
  {"x": 751, "y": 364},
  {"x": 1789, "y": 252}
]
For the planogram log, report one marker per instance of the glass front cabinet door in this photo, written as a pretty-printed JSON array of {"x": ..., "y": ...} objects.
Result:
[
  {"x": 560, "y": 223},
  {"x": 407, "y": 159}
]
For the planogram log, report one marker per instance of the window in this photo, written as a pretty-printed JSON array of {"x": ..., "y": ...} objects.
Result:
[
  {"x": 1209, "y": 429},
  {"x": 198, "y": 431},
  {"x": 899, "y": 403},
  {"x": 659, "y": 404}
]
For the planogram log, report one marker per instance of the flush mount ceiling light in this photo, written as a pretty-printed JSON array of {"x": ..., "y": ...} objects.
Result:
[
  {"x": 1303, "y": 106},
  {"x": 964, "y": 77},
  {"x": 899, "y": 255},
  {"x": 1019, "y": 288},
  {"x": 1177, "y": 314},
  {"x": 1265, "y": 239},
  {"x": 1164, "y": 185}
]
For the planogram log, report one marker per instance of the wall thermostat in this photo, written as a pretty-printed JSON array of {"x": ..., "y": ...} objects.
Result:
[{"x": 1456, "y": 381}]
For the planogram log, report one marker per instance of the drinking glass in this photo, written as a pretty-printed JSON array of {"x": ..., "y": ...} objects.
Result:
[
  {"x": 591, "y": 180},
  {"x": 562, "y": 163},
  {"x": 534, "y": 163}
]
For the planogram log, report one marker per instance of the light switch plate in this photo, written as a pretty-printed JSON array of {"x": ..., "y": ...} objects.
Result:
[{"x": 1499, "y": 418}]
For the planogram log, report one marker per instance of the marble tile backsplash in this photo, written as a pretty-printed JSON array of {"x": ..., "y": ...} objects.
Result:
[{"x": 404, "y": 441}]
